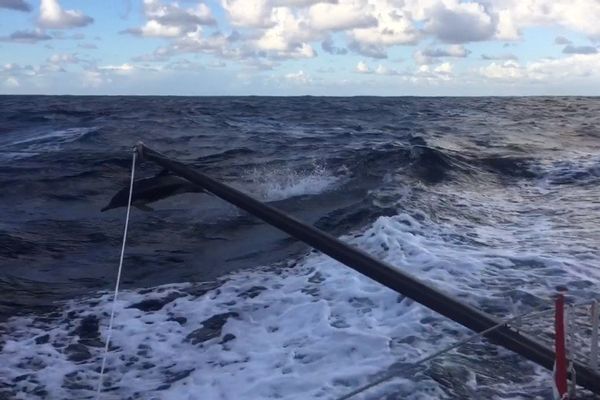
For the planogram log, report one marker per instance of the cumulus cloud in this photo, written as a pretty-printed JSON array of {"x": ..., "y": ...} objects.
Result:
[
  {"x": 508, "y": 70},
  {"x": 289, "y": 37},
  {"x": 263, "y": 34},
  {"x": 575, "y": 66},
  {"x": 286, "y": 32},
  {"x": 154, "y": 28},
  {"x": 94, "y": 79},
  {"x": 506, "y": 26},
  {"x": 53, "y": 16},
  {"x": 427, "y": 74},
  {"x": 341, "y": 16},
  {"x": 28, "y": 71},
  {"x": 299, "y": 77},
  {"x": 580, "y": 15},
  {"x": 394, "y": 27},
  {"x": 300, "y": 3},
  {"x": 383, "y": 70},
  {"x": 454, "y": 22},
  {"x": 63, "y": 58},
  {"x": 18, "y": 5},
  {"x": 429, "y": 56},
  {"x": 249, "y": 13},
  {"x": 120, "y": 69},
  {"x": 362, "y": 68},
  {"x": 170, "y": 20},
  {"x": 27, "y": 36},
  {"x": 285, "y": 29},
  {"x": 570, "y": 49},
  {"x": 215, "y": 44},
  {"x": 368, "y": 50},
  {"x": 11, "y": 82}
]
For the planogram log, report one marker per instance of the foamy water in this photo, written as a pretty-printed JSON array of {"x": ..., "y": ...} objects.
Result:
[
  {"x": 273, "y": 184},
  {"x": 314, "y": 330},
  {"x": 488, "y": 209}
]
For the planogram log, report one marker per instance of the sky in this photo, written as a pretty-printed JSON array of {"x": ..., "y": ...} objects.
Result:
[{"x": 300, "y": 47}]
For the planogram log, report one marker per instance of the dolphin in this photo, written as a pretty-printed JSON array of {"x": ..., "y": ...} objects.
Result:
[{"x": 149, "y": 190}]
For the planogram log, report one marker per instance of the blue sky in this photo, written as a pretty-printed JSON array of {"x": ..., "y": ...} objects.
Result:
[{"x": 296, "y": 47}]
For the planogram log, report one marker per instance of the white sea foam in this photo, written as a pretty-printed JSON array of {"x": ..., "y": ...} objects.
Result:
[
  {"x": 272, "y": 184},
  {"x": 316, "y": 330}
]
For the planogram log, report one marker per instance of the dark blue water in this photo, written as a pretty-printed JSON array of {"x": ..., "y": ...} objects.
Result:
[{"x": 511, "y": 182}]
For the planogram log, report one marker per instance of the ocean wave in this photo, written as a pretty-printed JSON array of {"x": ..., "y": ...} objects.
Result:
[
  {"x": 496, "y": 203},
  {"x": 316, "y": 330},
  {"x": 580, "y": 170},
  {"x": 274, "y": 184},
  {"x": 36, "y": 144}
]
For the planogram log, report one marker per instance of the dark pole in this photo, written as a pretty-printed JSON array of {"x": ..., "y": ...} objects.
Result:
[{"x": 405, "y": 284}]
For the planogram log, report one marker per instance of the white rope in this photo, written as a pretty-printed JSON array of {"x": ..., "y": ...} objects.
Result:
[{"x": 114, "y": 302}]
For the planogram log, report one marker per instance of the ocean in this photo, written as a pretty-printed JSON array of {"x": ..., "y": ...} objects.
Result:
[{"x": 492, "y": 200}]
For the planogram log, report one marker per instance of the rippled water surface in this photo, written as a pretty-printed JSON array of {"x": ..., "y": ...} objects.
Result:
[{"x": 494, "y": 200}]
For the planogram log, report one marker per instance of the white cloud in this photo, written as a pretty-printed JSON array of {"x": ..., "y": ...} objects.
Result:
[
  {"x": 362, "y": 67},
  {"x": 341, "y": 16},
  {"x": 28, "y": 71},
  {"x": 440, "y": 73},
  {"x": 567, "y": 69},
  {"x": 94, "y": 79},
  {"x": 12, "y": 82},
  {"x": 575, "y": 66},
  {"x": 53, "y": 16},
  {"x": 300, "y": 3},
  {"x": 171, "y": 20},
  {"x": 196, "y": 42},
  {"x": 265, "y": 34},
  {"x": 506, "y": 28},
  {"x": 288, "y": 29},
  {"x": 394, "y": 27},
  {"x": 444, "y": 69},
  {"x": 153, "y": 28},
  {"x": 173, "y": 14},
  {"x": 454, "y": 22},
  {"x": 429, "y": 56},
  {"x": 299, "y": 77},
  {"x": 578, "y": 15},
  {"x": 120, "y": 69},
  {"x": 249, "y": 13},
  {"x": 508, "y": 70},
  {"x": 64, "y": 58},
  {"x": 288, "y": 37},
  {"x": 383, "y": 70}
]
